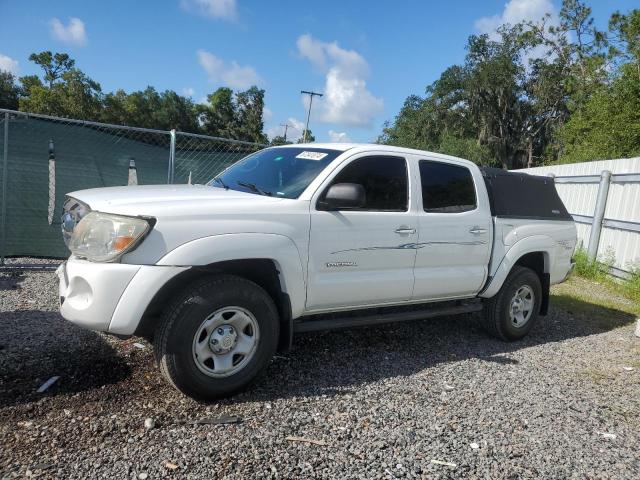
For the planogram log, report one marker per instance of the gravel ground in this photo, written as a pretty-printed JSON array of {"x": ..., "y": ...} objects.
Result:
[{"x": 432, "y": 399}]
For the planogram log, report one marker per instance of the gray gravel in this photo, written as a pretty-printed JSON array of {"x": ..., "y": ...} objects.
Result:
[{"x": 383, "y": 402}]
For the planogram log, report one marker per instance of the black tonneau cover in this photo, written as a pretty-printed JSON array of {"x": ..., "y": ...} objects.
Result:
[{"x": 520, "y": 195}]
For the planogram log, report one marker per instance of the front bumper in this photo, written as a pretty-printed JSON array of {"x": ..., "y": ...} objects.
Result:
[{"x": 109, "y": 297}]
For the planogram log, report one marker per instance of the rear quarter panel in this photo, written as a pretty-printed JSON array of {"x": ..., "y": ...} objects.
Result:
[{"x": 514, "y": 238}]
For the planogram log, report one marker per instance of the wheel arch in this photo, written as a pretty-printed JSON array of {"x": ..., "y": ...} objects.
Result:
[
  {"x": 261, "y": 271},
  {"x": 534, "y": 253},
  {"x": 269, "y": 260}
]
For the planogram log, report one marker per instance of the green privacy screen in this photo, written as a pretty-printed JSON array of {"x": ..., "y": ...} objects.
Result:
[{"x": 50, "y": 157}]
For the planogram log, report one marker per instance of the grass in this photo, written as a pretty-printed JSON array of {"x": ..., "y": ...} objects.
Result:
[
  {"x": 596, "y": 271},
  {"x": 631, "y": 288},
  {"x": 601, "y": 304}
]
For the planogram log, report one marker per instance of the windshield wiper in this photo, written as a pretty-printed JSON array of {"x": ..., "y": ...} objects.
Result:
[
  {"x": 221, "y": 182},
  {"x": 254, "y": 188}
]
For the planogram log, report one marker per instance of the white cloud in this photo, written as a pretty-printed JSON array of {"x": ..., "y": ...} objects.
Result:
[
  {"x": 516, "y": 11},
  {"x": 222, "y": 9},
  {"x": 73, "y": 34},
  {"x": 339, "y": 137},
  {"x": 228, "y": 73},
  {"x": 346, "y": 97},
  {"x": 188, "y": 92},
  {"x": 8, "y": 64},
  {"x": 267, "y": 114}
]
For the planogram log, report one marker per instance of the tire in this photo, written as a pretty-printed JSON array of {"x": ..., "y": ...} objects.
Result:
[
  {"x": 498, "y": 320},
  {"x": 215, "y": 309}
]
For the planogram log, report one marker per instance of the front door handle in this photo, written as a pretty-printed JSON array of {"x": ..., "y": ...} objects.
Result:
[
  {"x": 404, "y": 230},
  {"x": 477, "y": 230}
]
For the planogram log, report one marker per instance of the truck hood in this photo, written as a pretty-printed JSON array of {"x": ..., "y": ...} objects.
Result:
[{"x": 154, "y": 199}]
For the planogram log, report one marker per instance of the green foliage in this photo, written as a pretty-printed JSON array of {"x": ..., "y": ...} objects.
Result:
[
  {"x": 9, "y": 91},
  {"x": 66, "y": 91},
  {"x": 279, "y": 140},
  {"x": 218, "y": 115},
  {"x": 309, "y": 137},
  {"x": 465, "y": 148},
  {"x": 597, "y": 271},
  {"x": 150, "y": 109},
  {"x": 54, "y": 65},
  {"x": 591, "y": 269},
  {"x": 72, "y": 94},
  {"x": 249, "y": 109},
  {"x": 493, "y": 109},
  {"x": 631, "y": 288},
  {"x": 535, "y": 93},
  {"x": 608, "y": 124},
  {"x": 238, "y": 117}
]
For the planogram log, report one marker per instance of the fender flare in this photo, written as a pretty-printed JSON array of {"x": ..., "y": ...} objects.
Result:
[
  {"x": 535, "y": 243},
  {"x": 240, "y": 246}
]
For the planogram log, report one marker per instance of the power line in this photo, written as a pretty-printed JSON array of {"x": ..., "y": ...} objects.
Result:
[{"x": 311, "y": 95}]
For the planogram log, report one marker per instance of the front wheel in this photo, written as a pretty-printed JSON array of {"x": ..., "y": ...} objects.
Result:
[
  {"x": 513, "y": 311},
  {"x": 217, "y": 337}
]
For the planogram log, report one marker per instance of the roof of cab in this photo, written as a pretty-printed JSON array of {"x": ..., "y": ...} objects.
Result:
[
  {"x": 343, "y": 147},
  {"x": 328, "y": 146}
]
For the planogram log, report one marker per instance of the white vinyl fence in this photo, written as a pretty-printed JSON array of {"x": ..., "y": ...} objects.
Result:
[{"x": 617, "y": 182}]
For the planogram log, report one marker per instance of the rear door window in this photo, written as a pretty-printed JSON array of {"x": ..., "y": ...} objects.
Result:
[{"x": 446, "y": 188}]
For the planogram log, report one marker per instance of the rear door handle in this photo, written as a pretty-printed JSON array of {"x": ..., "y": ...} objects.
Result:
[
  {"x": 477, "y": 230},
  {"x": 404, "y": 230}
]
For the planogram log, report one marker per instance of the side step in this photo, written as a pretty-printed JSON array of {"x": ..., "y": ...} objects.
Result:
[{"x": 377, "y": 317}]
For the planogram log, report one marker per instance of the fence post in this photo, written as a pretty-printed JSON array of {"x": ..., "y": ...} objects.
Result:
[
  {"x": 172, "y": 156},
  {"x": 598, "y": 214},
  {"x": 5, "y": 172}
]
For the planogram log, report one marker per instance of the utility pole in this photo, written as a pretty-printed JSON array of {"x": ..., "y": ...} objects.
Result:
[
  {"x": 286, "y": 126},
  {"x": 311, "y": 95}
]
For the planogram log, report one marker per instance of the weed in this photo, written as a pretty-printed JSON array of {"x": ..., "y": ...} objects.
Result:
[{"x": 596, "y": 270}]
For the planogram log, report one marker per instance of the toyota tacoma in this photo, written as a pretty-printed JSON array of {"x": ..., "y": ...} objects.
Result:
[{"x": 309, "y": 237}]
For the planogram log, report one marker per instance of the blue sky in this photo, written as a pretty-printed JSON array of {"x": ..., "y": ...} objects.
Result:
[{"x": 366, "y": 56}]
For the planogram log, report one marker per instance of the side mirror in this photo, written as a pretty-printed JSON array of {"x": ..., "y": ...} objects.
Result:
[{"x": 343, "y": 196}]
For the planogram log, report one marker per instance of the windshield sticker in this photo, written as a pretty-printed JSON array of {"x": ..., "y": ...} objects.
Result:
[{"x": 311, "y": 155}]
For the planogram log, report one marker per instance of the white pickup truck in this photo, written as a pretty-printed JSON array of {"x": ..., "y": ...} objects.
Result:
[{"x": 308, "y": 237}]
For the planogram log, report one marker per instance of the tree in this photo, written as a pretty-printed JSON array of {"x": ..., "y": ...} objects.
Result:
[
  {"x": 64, "y": 90},
  {"x": 54, "y": 65},
  {"x": 218, "y": 116},
  {"x": 9, "y": 91},
  {"x": 177, "y": 111},
  {"x": 607, "y": 124},
  {"x": 494, "y": 89},
  {"x": 513, "y": 94},
  {"x": 250, "y": 107},
  {"x": 309, "y": 137},
  {"x": 624, "y": 31},
  {"x": 68, "y": 92},
  {"x": 150, "y": 109},
  {"x": 279, "y": 140},
  {"x": 74, "y": 95},
  {"x": 475, "y": 109},
  {"x": 236, "y": 116}
]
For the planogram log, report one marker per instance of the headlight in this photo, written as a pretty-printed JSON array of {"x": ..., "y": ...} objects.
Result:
[
  {"x": 102, "y": 237},
  {"x": 73, "y": 211}
]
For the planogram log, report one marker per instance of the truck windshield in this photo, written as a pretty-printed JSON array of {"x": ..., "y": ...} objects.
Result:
[{"x": 279, "y": 172}]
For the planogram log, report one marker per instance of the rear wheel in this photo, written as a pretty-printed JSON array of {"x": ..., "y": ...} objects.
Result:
[
  {"x": 513, "y": 311},
  {"x": 217, "y": 337}
]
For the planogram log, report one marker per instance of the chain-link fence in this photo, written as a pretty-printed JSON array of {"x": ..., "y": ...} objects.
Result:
[
  {"x": 44, "y": 158},
  {"x": 198, "y": 158}
]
